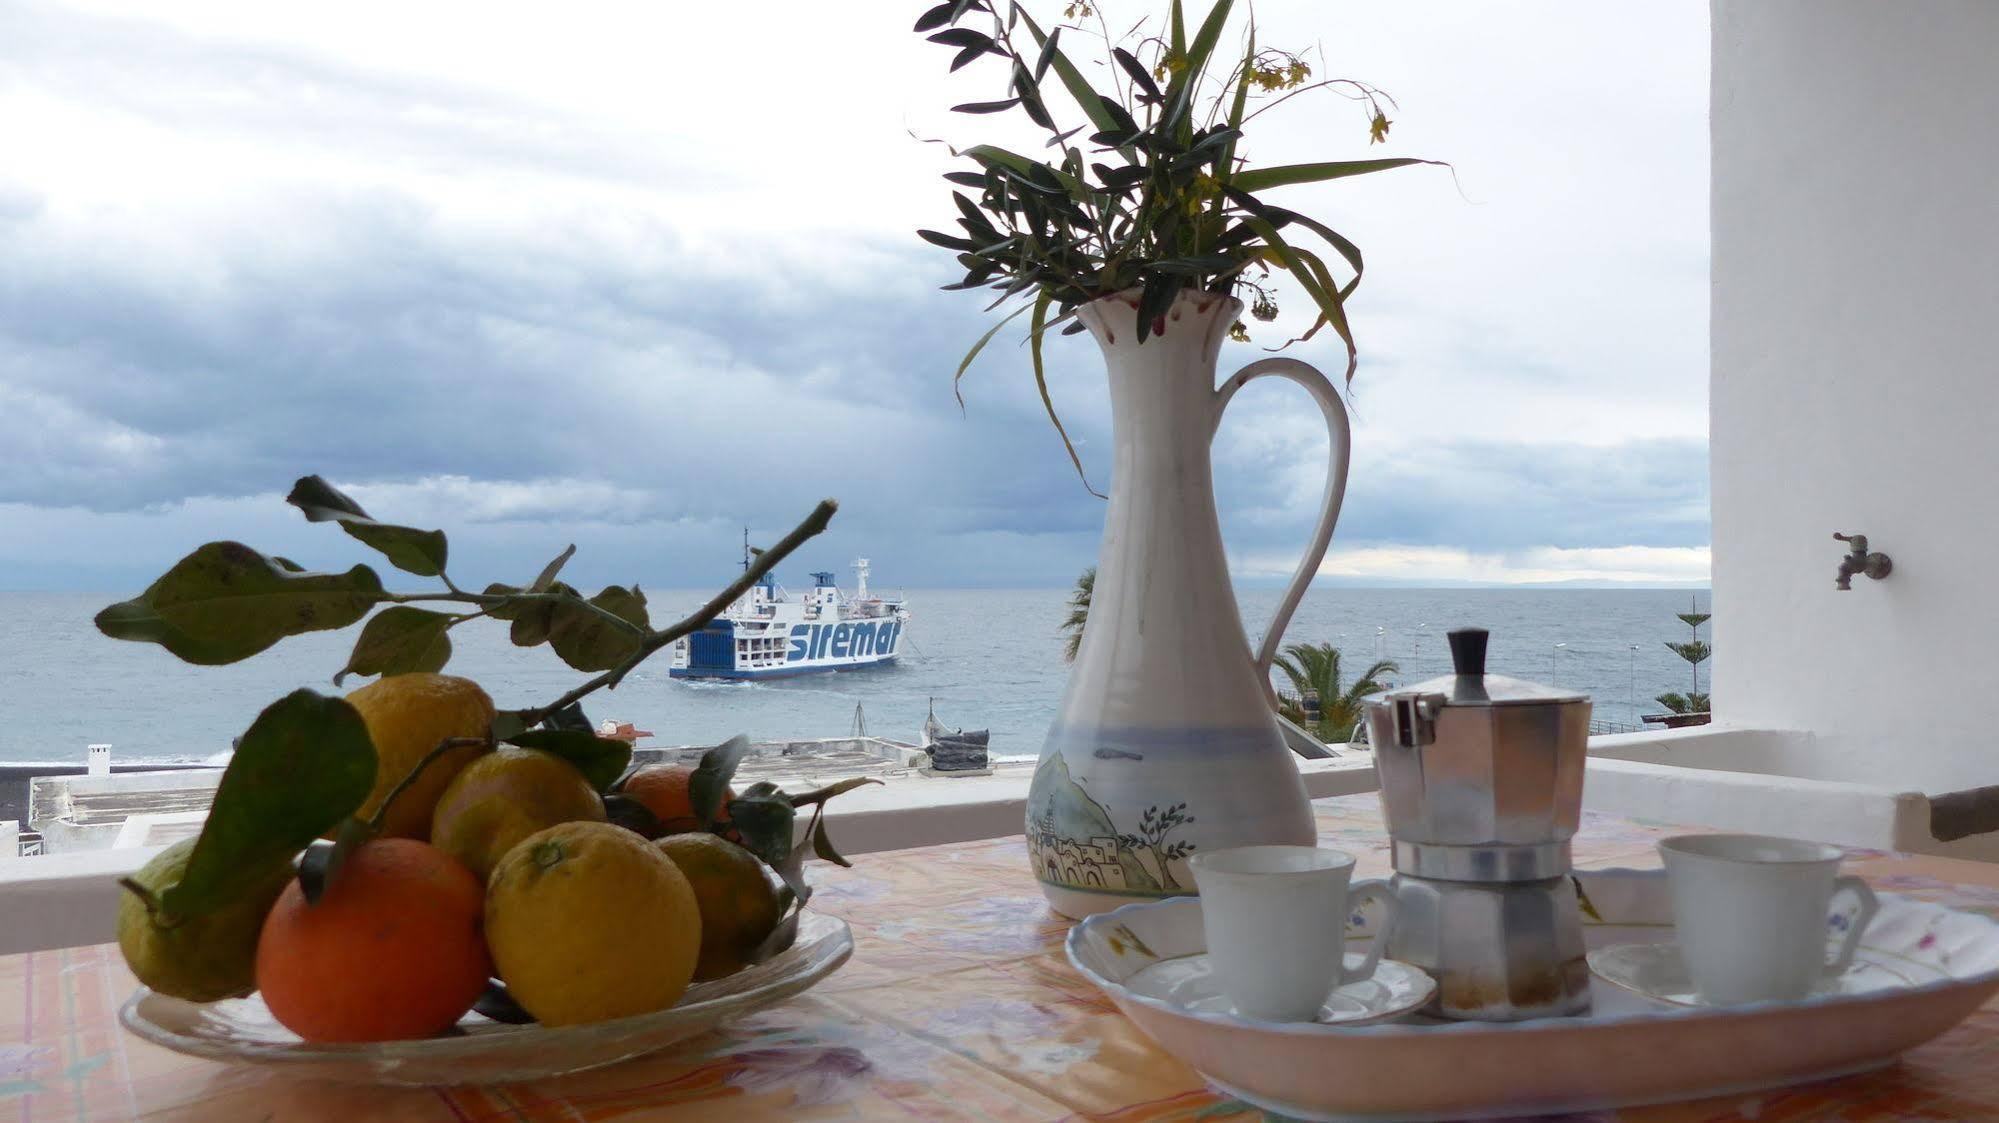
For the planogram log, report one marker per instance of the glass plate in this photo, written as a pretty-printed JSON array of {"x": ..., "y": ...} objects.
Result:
[{"x": 482, "y": 1051}]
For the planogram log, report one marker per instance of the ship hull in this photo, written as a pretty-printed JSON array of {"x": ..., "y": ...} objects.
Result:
[
  {"x": 771, "y": 646},
  {"x": 779, "y": 672}
]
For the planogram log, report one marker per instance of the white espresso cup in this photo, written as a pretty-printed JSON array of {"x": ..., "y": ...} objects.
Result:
[
  {"x": 1752, "y": 913},
  {"x": 1276, "y": 918}
]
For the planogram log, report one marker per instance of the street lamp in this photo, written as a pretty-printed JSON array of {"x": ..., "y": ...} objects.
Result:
[{"x": 1631, "y": 687}]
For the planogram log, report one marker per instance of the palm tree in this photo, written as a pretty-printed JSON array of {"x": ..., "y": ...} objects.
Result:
[
  {"x": 1688, "y": 703},
  {"x": 1079, "y": 613},
  {"x": 1315, "y": 668}
]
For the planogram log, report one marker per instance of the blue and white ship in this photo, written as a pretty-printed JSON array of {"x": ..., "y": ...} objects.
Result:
[{"x": 767, "y": 634}]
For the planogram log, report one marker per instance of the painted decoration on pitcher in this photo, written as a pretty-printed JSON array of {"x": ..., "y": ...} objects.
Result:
[{"x": 1073, "y": 841}]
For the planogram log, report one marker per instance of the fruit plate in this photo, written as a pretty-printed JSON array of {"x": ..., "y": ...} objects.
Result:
[
  {"x": 479, "y": 1050},
  {"x": 1629, "y": 1050}
]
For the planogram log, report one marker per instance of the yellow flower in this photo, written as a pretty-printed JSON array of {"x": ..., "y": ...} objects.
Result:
[
  {"x": 1377, "y": 129},
  {"x": 1239, "y": 332}
]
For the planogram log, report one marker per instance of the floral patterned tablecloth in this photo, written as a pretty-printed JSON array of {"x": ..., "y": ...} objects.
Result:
[{"x": 957, "y": 1005}]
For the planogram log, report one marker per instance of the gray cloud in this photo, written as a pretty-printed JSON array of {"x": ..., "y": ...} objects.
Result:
[{"x": 464, "y": 303}]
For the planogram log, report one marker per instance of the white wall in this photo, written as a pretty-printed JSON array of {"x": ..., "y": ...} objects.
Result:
[{"x": 1855, "y": 379}]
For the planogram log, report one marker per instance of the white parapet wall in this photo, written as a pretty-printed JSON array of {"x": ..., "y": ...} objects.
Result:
[{"x": 65, "y": 900}]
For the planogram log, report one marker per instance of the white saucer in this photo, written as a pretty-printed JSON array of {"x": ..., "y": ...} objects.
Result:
[
  {"x": 1656, "y": 971},
  {"x": 1189, "y": 984}
]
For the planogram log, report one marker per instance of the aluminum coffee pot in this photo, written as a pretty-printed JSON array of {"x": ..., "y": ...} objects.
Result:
[{"x": 1481, "y": 786}]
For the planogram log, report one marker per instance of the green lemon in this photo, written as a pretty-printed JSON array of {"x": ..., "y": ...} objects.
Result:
[{"x": 198, "y": 958}]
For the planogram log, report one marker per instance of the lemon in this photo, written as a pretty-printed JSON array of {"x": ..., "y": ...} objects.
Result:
[
  {"x": 200, "y": 958},
  {"x": 588, "y": 922},
  {"x": 505, "y": 796},
  {"x": 738, "y": 904},
  {"x": 407, "y": 717}
]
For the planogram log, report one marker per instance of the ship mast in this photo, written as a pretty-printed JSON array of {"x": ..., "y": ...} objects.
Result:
[{"x": 861, "y": 579}]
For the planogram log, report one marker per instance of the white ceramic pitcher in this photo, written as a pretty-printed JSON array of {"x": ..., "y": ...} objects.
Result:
[{"x": 1166, "y": 743}]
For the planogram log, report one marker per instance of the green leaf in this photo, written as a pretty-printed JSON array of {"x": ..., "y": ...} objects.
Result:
[
  {"x": 823, "y": 846},
  {"x": 966, "y": 362},
  {"x": 709, "y": 784},
  {"x": 1140, "y": 77},
  {"x": 629, "y": 813},
  {"x": 1036, "y": 327},
  {"x": 226, "y": 602},
  {"x": 305, "y": 764},
  {"x": 964, "y": 37},
  {"x": 1086, "y": 98},
  {"x": 497, "y": 1002},
  {"x": 994, "y": 157},
  {"x": 322, "y": 860},
  {"x": 765, "y": 821},
  {"x": 586, "y": 640},
  {"x": 1262, "y": 179},
  {"x": 421, "y": 552},
  {"x": 837, "y": 787},
  {"x": 1328, "y": 299},
  {"x": 965, "y": 245},
  {"x": 1155, "y": 302},
  {"x": 1175, "y": 117},
  {"x": 601, "y": 759},
  {"x": 398, "y": 640},
  {"x": 937, "y": 17},
  {"x": 506, "y": 723},
  {"x": 581, "y": 636},
  {"x": 546, "y": 580},
  {"x": 976, "y": 107},
  {"x": 510, "y": 610}
]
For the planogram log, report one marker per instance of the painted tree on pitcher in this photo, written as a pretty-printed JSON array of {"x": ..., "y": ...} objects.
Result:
[{"x": 1153, "y": 829}]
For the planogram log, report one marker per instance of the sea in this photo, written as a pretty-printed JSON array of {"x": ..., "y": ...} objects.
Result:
[{"x": 983, "y": 658}]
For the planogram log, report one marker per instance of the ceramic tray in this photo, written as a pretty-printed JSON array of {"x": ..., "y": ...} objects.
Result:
[
  {"x": 482, "y": 1051},
  {"x": 1629, "y": 1050}
]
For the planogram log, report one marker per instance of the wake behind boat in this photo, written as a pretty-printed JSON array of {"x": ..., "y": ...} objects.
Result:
[{"x": 767, "y": 634}]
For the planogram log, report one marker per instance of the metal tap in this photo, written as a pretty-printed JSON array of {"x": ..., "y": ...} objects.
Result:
[{"x": 1857, "y": 560}]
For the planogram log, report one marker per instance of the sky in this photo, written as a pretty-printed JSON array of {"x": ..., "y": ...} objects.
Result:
[{"x": 638, "y": 276}]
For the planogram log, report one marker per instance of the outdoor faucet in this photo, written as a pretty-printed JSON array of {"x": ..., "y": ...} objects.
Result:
[{"x": 1858, "y": 560}]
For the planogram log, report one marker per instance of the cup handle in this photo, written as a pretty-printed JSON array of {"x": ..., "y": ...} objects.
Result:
[
  {"x": 1868, "y": 907},
  {"x": 1372, "y": 890}
]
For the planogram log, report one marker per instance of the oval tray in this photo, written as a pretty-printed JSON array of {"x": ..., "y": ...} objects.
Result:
[
  {"x": 1629, "y": 1050},
  {"x": 482, "y": 1051}
]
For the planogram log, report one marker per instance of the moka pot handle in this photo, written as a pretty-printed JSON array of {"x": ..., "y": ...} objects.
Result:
[{"x": 1340, "y": 453}]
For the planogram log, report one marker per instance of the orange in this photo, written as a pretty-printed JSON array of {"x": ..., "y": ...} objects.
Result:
[
  {"x": 738, "y": 902},
  {"x": 394, "y": 948},
  {"x": 505, "y": 796},
  {"x": 407, "y": 717},
  {"x": 590, "y": 922},
  {"x": 662, "y": 788}
]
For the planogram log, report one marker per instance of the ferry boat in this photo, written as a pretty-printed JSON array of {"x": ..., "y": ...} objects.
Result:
[{"x": 768, "y": 634}]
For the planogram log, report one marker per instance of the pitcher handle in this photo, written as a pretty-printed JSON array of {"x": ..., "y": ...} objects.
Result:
[{"x": 1341, "y": 434}]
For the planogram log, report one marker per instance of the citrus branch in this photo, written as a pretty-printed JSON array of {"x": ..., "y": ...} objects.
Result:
[{"x": 410, "y": 777}]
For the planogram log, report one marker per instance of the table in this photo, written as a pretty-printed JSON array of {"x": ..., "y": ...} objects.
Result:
[{"x": 957, "y": 1005}]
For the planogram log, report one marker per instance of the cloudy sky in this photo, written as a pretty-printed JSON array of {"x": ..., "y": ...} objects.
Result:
[{"x": 634, "y": 275}]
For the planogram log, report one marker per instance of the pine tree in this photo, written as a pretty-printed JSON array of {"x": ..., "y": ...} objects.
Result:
[{"x": 1695, "y": 652}]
